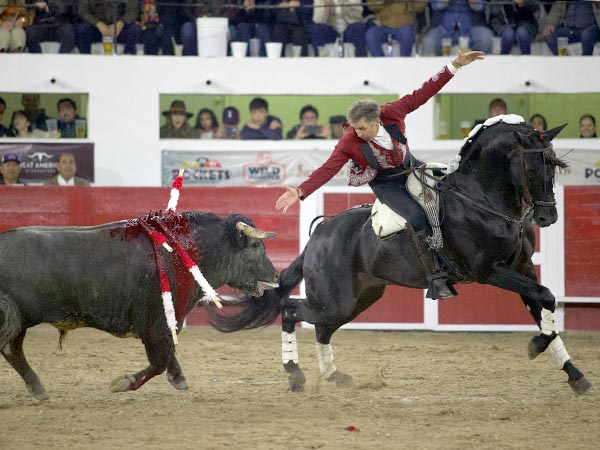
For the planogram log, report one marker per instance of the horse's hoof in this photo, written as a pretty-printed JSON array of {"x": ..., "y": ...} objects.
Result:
[
  {"x": 180, "y": 385},
  {"x": 41, "y": 396},
  {"x": 532, "y": 349},
  {"x": 296, "y": 387},
  {"x": 122, "y": 383},
  {"x": 341, "y": 379},
  {"x": 297, "y": 382},
  {"x": 581, "y": 386}
]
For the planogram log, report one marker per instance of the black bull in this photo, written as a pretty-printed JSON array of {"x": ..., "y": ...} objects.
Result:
[
  {"x": 488, "y": 237},
  {"x": 106, "y": 277}
]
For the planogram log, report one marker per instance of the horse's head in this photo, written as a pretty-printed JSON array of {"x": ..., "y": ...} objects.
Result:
[{"x": 533, "y": 166}]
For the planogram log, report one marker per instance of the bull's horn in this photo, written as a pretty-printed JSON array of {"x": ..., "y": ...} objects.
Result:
[{"x": 253, "y": 232}]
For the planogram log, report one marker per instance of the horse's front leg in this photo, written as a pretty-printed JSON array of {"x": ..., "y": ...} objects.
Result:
[
  {"x": 542, "y": 304},
  {"x": 289, "y": 354},
  {"x": 327, "y": 367}
]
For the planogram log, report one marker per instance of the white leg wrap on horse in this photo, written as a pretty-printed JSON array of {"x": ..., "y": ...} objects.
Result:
[
  {"x": 289, "y": 347},
  {"x": 559, "y": 352},
  {"x": 547, "y": 323},
  {"x": 326, "y": 364}
]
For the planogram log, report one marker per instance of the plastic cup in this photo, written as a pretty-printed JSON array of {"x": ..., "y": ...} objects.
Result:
[
  {"x": 465, "y": 128},
  {"x": 296, "y": 51},
  {"x": 139, "y": 49},
  {"x": 178, "y": 50},
  {"x": 274, "y": 49},
  {"x": 80, "y": 125},
  {"x": 239, "y": 49},
  {"x": 563, "y": 45},
  {"x": 446, "y": 46},
  {"x": 496, "y": 45},
  {"x": 255, "y": 47},
  {"x": 107, "y": 42},
  {"x": 52, "y": 127},
  {"x": 463, "y": 43}
]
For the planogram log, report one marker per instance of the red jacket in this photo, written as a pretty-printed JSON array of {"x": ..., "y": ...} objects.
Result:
[{"x": 348, "y": 147}]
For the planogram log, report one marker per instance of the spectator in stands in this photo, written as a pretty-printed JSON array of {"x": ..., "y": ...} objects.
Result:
[
  {"x": 53, "y": 22},
  {"x": 36, "y": 115},
  {"x": 107, "y": 19},
  {"x": 395, "y": 20},
  {"x": 337, "y": 126},
  {"x": 578, "y": 20},
  {"x": 457, "y": 18},
  {"x": 308, "y": 128},
  {"x": 231, "y": 119},
  {"x": 515, "y": 23},
  {"x": 292, "y": 24},
  {"x": 207, "y": 125},
  {"x": 67, "y": 114},
  {"x": 66, "y": 168},
  {"x": 177, "y": 125},
  {"x": 332, "y": 20},
  {"x": 587, "y": 126},
  {"x": 4, "y": 132},
  {"x": 14, "y": 17},
  {"x": 20, "y": 126},
  {"x": 496, "y": 107},
  {"x": 261, "y": 124},
  {"x": 10, "y": 170},
  {"x": 250, "y": 22},
  {"x": 539, "y": 122},
  {"x": 155, "y": 35}
]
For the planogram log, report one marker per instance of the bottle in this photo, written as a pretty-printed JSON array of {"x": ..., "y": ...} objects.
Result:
[
  {"x": 443, "y": 130},
  {"x": 341, "y": 46},
  {"x": 389, "y": 46},
  {"x": 108, "y": 45}
]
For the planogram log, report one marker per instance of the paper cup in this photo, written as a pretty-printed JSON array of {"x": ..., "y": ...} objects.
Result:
[
  {"x": 239, "y": 49},
  {"x": 274, "y": 49}
]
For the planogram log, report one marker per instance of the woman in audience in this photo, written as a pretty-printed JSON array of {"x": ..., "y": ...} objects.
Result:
[
  {"x": 207, "y": 125},
  {"x": 177, "y": 125},
  {"x": 539, "y": 122},
  {"x": 587, "y": 126},
  {"x": 20, "y": 125}
]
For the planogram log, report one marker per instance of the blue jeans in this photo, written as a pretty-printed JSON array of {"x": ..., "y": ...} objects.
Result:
[
  {"x": 377, "y": 35},
  {"x": 244, "y": 31},
  {"x": 86, "y": 34},
  {"x": 588, "y": 38},
  {"x": 64, "y": 33},
  {"x": 354, "y": 33},
  {"x": 188, "y": 39},
  {"x": 519, "y": 34},
  {"x": 480, "y": 39}
]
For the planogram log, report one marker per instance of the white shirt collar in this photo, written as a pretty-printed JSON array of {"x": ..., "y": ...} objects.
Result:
[
  {"x": 383, "y": 138},
  {"x": 63, "y": 182}
]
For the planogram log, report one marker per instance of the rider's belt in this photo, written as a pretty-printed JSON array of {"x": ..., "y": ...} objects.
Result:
[{"x": 396, "y": 172}]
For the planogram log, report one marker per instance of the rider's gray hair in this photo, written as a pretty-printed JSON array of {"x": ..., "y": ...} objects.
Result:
[{"x": 364, "y": 109}]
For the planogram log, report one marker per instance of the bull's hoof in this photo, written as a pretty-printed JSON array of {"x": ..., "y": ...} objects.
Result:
[
  {"x": 341, "y": 379},
  {"x": 297, "y": 380},
  {"x": 581, "y": 386},
  {"x": 122, "y": 383}
]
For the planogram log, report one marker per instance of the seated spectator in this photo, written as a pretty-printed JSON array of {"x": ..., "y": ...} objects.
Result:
[
  {"x": 107, "y": 19},
  {"x": 177, "y": 126},
  {"x": 53, "y": 22},
  {"x": 20, "y": 126},
  {"x": 394, "y": 20},
  {"x": 337, "y": 126},
  {"x": 4, "y": 132},
  {"x": 496, "y": 107},
  {"x": 10, "y": 170},
  {"x": 292, "y": 24},
  {"x": 36, "y": 115},
  {"x": 207, "y": 125},
  {"x": 308, "y": 128},
  {"x": 66, "y": 168},
  {"x": 231, "y": 119},
  {"x": 587, "y": 126},
  {"x": 331, "y": 20},
  {"x": 261, "y": 124},
  {"x": 538, "y": 122},
  {"x": 578, "y": 20},
  {"x": 67, "y": 115},
  {"x": 455, "y": 18},
  {"x": 251, "y": 22},
  {"x": 14, "y": 17},
  {"x": 515, "y": 24}
]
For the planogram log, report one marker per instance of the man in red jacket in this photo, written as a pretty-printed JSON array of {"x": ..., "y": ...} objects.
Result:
[{"x": 377, "y": 146}]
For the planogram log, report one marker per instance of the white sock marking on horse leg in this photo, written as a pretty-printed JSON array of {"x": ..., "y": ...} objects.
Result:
[
  {"x": 326, "y": 364},
  {"x": 547, "y": 324},
  {"x": 559, "y": 352},
  {"x": 289, "y": 347}
]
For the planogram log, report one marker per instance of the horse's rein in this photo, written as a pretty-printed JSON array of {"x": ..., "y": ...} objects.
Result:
[{"x": 526, "y": 192}]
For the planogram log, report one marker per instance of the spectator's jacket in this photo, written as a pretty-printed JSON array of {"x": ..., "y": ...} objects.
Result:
[
  {"x": 327, "y": 15},
  {"x": 502, "y": 15},
  {"x": 168, "y": 9},
  {"x": 54, "y": 181},
  {"x": 392, "y": 115},
  {"x": 5, "y": 132},
  {"x": 263, "y": 132},
  {"x": 91, "y": 11},
  {"x": 458, "y": 13},
  {"x": 60, "y": 12},
  {"x": 254, "y": 15},
  {"x": 395, "y": 14},
  {"x": 300, "y": 16},
  {"x": 558, "y": 12}
]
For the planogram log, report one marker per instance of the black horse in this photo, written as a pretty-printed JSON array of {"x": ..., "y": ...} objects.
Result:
[{"x": 506, "y": 171}]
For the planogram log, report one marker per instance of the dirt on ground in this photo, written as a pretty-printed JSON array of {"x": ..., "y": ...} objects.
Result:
[{"x": 412, "y": 390}]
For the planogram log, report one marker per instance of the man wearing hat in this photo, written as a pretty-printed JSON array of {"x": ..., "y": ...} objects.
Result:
[
  {"x": 10, "y": 170},
  {"x": 177, "y": 125},
  {"x": 337, "y": 126}
]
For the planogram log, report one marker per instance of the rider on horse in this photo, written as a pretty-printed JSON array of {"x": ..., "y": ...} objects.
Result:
[{"x": 375, "y": 141}]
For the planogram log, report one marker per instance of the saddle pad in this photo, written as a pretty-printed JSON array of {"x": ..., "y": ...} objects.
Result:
[{"x": 385, "y": 221}]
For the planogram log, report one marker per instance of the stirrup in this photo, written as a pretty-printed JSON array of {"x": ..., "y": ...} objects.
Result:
[{"x": 439, "y": 288}]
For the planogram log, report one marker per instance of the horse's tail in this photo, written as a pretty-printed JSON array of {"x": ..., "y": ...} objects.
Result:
[{"x": 255, "y": 312}]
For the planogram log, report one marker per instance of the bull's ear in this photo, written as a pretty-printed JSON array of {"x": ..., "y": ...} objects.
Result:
[{"x": 551, "y": 134}]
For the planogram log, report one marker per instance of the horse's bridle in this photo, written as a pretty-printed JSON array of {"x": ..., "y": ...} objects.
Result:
[{"x": 524, "y": 185}]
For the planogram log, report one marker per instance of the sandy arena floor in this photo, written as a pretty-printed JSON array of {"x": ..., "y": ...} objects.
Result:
[{"x": 412, "y": 390}]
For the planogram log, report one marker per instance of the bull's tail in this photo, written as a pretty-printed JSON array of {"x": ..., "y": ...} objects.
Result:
[{"x": 255, "y": 312}]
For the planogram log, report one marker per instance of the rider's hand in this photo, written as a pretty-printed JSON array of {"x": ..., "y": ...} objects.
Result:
[
  {"x": 463, "y": 59},
  {"x": 287, "y": 199}
]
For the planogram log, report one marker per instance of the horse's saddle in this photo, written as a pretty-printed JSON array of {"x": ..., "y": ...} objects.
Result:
[{"x": 421, "y": 185}]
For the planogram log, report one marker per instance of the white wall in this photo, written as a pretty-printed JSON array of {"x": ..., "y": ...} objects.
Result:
[{"x": 124, "y": 91}]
